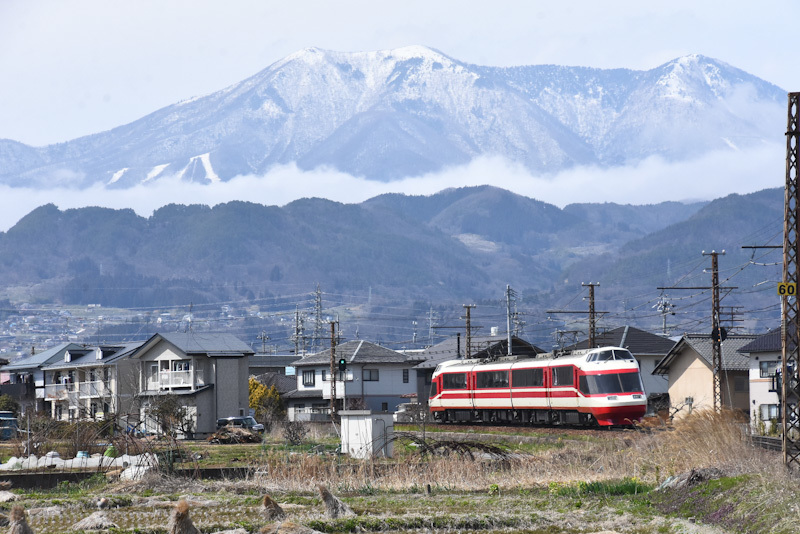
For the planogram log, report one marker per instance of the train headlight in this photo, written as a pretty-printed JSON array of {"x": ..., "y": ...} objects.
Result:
[
  {"x": 637, "y": 396},
  {"x": 612, "y": 397}
]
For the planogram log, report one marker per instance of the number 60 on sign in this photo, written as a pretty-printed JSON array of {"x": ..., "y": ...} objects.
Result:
[{"x": 787, "y": 289}]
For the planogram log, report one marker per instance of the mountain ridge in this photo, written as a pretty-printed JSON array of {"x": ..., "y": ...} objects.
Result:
[{"x": 389, "y": 114}]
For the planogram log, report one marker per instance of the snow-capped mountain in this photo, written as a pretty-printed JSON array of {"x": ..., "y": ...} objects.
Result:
[{"x": 389, "y": 114}]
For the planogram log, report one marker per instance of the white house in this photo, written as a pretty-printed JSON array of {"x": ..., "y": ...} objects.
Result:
[
  {"x": 91, "y": 382},
  {"x": 765, "y": 362},
  {"x": 376, "y": 378}
]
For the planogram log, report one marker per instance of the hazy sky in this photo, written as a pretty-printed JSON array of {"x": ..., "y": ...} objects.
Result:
[{"x": 72, "y": 68}]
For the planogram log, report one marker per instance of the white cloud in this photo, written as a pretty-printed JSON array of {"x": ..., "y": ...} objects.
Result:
[{"x": 651, "y": 181}]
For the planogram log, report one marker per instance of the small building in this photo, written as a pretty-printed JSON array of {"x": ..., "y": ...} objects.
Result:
[
  {"x": 209, "y": 372},
  {"x": 92, "y": 382},
  {"x": 688, "y": 368},
  {"x": 376, "y": 379},
  {"x": 765, "y": 354}
]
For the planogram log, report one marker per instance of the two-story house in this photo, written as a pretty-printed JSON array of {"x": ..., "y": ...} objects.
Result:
[
  {"x": 27, "y": 377},
  {"x": 375, "y": 378},
  {"x": 209, "y": 372},
  {"x": 91, "y": 382},
  {"x": 765, "y": 364}
]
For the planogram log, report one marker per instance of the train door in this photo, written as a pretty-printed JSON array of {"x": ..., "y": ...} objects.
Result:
[{"x": 471, "y": 381}]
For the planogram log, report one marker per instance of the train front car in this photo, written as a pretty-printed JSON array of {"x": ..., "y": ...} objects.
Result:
[{"x": 610, "y": 387}]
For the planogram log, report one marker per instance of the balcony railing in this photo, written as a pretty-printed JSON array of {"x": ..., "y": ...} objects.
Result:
[
  {"x": 176, "y": 379},
  {"x": 58, "y": 391},
  {"x": 96, "y": 388}
]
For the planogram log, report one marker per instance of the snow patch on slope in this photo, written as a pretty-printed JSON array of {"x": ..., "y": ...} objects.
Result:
[{"x": 117, "y": 175}]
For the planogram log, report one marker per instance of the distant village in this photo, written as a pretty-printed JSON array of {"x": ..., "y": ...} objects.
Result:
[{"x": 66, "y": 376}]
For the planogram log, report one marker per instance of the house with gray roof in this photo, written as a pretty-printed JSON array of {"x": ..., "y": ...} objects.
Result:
[
  {"x": 765, "y": 354},
  {"x": 26, "y": 382},
  {"x": 689, "y": 372},
  {"x": 376, "y": 378},
  {"x": 91, "y": 382},
  {"x": 208, "y": 372}
]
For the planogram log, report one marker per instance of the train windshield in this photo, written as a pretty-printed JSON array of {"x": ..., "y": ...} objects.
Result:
[
  {"x": 611, "y": 383},
  {"x": 610, "y": 354}
]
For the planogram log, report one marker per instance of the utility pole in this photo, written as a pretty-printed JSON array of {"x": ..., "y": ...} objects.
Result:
[
  {"x": 592, "y": 314},
  {"x": 333, "y": 371},
  {"x": 717, "y": 332},
  {"x": 592, "y": 317},
  {"x": 664, "y": 307},
  {"x": 318, "y": 329},
  {"x": 508, "y": 316},
  {"x": 468, "y": 352},
  {"x": 790, "y": 314},
  {"x": 264, "y": 338}
]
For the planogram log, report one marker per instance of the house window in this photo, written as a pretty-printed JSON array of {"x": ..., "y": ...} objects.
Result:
[
  {"x": 308, "y": 378},
  {"x": 180, "y": 366},
  {"x": 324, "y": 375},
  {"x": 769, "y": 411},
  {"x": 562, "y": 376},
  {"x": 370, "y": 375},
  {"x": 384, "y": 406},
  {"x": 768, "y": 369},
  {"x": 405, "y": 376}
]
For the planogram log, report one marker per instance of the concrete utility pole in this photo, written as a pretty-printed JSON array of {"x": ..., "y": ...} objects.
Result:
[
  {"x": 333, "y": 371},
  {"x": 508, "y": 316},
  {"x": 468, "y": 352},
  {"x": 790, "y": 315},
  {"x": 592, "y": 316},
  {"x": 318, "y": 328}
]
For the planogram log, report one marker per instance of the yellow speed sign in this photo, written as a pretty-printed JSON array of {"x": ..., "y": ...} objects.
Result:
[{"x": 787, "y": 289}]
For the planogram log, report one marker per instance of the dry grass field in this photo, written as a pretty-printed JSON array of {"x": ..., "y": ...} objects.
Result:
[{"x": 510, "y": 480}]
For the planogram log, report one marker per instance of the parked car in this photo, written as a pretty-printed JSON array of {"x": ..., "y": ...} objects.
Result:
[
  {"x": 408, "y": 412},
  {"x": 9, "y": 429},
  {"x": 245, "y": 422}
]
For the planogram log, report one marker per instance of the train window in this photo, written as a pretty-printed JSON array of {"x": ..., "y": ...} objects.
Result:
[
  {"x": 434, "y": 390},
  {"x": 562, "y": 376},
  {"x": 454, "y": 381},
  {"x": 611, "y": 383},
  {"x": 492, "y": 379},
  {"x": 527, "y": 377}
]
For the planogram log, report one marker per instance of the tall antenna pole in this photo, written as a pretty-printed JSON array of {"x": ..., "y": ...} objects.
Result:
[{"x": 790, "y": 315}]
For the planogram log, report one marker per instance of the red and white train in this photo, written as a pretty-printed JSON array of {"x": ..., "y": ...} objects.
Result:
[{"x": 589, "y": 387}]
